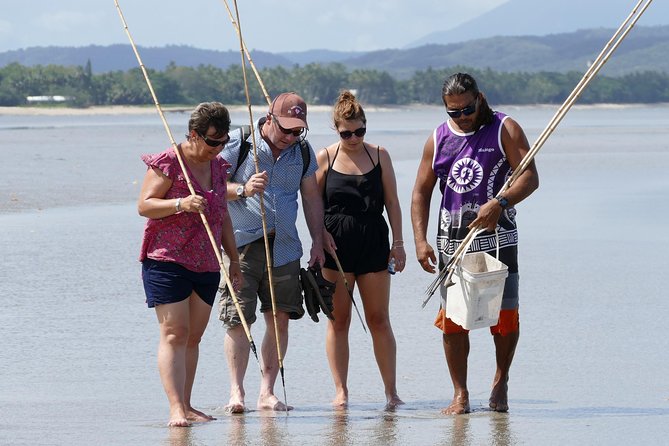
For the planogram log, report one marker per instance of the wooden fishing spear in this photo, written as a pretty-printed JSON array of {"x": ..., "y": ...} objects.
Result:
[
  {"x": 269, "y": 102},
  {"x": 214, "y": 243},
  {"x": 268, "y": 254},
  {"x": 444, "y": 276}
]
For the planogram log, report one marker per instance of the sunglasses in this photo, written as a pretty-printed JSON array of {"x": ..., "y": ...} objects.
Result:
[
  {"x": 215, "y": 142},
  {"x": 469, "y": 110},
  {"x": 346, "y": 134},
  {"x": 295, "y": 133}
]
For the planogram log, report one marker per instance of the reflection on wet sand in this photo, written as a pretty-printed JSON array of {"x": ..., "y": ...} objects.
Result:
[
  {"x": 237, "y": 433},
  {"x": 180, "y": 436},
  {"x": 459, "y": 434},
  {"x": 273, "y": 429},
  {"x": 385, "y": 430},
  {"x": 339, "y": 433},
  {"x": 465, "y": 430},
  {"x": 499, "y": 429}
]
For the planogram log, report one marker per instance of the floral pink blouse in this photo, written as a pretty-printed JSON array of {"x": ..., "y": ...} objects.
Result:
[{"x": 182, "y": 238}]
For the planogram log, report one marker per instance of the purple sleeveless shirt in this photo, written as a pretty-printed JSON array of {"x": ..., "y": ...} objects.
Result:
[{"x": 472, "y": 168}]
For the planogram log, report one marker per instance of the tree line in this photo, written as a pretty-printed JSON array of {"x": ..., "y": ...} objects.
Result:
[{"x": 316, "y": 83}]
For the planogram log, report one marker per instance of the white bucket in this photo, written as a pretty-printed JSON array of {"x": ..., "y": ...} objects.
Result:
[{"x": 476, "y": 298}]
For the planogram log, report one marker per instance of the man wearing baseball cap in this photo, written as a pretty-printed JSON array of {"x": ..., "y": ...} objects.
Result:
[{"x": 287, "y": 163}]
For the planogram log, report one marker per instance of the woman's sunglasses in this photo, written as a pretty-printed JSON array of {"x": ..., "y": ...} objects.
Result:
[
  {"x": 295, "y": 133},
  {"x": 469, "y": 110},
  {"x": 346, "y": 134},
  {"x": 215, "y": 142}
]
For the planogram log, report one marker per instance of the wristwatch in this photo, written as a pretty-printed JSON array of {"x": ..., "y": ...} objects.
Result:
[
  {"x": 502, "y": 202},
  {"x": 241, "y": 192}
]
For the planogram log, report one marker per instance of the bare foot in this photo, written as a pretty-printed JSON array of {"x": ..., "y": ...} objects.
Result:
[
  {"x": 272, "y": 403},
  {"x": 179, "y": 422},
  {"x": 340, "y": 400},
  {"x": 234, "y": 409},
  {"x": 178, "y": 417},
  {"x": 196, "y": 416},
  {"x": 459, "y": 405},
  {"x": 499, "y": 400},
  {"x": 394, "y": 402},
  {"x": 235, "y": 405}
]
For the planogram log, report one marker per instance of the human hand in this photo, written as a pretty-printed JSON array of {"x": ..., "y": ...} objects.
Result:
[
  {"x": 488, "y": 216},
  {"x": 193, "y": 203},
  {"x": 329, "y": 244},
  {"x": 426, "y": 257},
  {"x": 400, "y": 257},
  {"x": 256, "y": 184},
  {"x": 236, "y": 276},
  {"x": 316, "y": 255}
]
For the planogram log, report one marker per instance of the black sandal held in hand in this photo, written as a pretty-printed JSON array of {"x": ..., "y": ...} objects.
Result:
[{"x": 317, "y": 292}]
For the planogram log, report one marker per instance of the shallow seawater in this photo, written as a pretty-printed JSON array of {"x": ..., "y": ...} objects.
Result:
[{"x": 78, "y": 351}]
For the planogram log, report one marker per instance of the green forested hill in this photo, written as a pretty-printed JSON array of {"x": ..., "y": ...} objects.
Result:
[{"x": 644, "y": 49}]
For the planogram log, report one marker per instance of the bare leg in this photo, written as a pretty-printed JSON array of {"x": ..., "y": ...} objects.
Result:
[
  {"x": 173, "y": 320},
  {"x": 266, "y": 399},
  {"x": 336, "y": 339},
  {"x": 237, "y": 349},
  {"x": 456, "y": 348},
  {"x": 505, "y": 347},
  {"x": 199, "y": 317},
  {"x": 375, "y": 293}
]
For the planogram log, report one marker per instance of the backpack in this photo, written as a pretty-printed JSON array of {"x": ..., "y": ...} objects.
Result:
[{"x": 245, "y": 148}]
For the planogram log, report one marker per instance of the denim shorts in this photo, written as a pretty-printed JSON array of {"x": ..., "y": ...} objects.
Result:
[{"x": 168, "y": 282}]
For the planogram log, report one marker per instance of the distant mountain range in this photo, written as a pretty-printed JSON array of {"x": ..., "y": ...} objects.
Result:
[
  {"x": 539, "y": 18},
  {"x": 644, "y": 49}
]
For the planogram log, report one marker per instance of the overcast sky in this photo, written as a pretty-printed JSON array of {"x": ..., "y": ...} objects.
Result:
[{"x": 269, "y": 25}]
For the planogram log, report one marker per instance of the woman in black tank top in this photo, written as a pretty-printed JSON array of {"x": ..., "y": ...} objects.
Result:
[{"x": 357, "y": 181}]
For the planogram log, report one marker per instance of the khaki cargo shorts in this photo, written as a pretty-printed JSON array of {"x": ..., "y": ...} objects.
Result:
[{"x": 287, "y": 288}]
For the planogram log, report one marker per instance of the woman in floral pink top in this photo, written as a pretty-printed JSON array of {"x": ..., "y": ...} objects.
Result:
[{"x": 180, "y": 270}]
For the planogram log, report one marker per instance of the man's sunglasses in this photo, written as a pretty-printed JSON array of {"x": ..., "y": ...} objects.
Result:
[
  {"x": 469, "y": 110},
  {"x": 215, "y": 142},
  {"x": 295, "y": 133},
  {"x": 346, "y": 134}
]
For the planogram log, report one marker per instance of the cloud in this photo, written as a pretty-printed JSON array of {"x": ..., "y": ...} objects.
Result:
[
  {"x": 5, "y": 28},
  {"x": 66, "y": 21}
]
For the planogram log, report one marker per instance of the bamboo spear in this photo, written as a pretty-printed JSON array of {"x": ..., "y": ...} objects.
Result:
[
  {"x": 267, "y": 97},
  {"x": 214, "y": 244},
  {"x": 444, "y": 276},
  {"x": 263, "y": 218},
  {"x": 247, "y": 52},
  {"x": 350, "y": 293}
]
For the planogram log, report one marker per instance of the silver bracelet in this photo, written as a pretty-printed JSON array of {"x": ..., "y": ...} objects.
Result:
[{"x": 178, "y": 205}]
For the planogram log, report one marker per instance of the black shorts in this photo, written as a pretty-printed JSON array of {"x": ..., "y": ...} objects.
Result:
[
  {"x": 362, "y": 244},
  {"x": 168, "y": 282}
]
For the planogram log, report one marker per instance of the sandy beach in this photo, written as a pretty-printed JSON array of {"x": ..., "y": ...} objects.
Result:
[
  {"x": 125, "y": 110},
  {"x": 78, "y": 357},
  {"x": 121, "y": 110}
]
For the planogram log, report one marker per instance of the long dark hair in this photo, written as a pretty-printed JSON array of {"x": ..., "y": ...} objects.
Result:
[{"x": 460, "y": 83}]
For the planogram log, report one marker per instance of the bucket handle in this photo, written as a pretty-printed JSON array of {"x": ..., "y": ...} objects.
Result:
[
  {"x": 471, "y": 240},
  {"x": 445, "y": 273}
]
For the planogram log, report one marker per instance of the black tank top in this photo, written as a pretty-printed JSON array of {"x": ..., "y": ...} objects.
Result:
[{"x": 354, "y": 195}]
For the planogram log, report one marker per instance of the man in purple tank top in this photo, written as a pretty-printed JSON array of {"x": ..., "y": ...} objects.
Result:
[{"x": 471, "y": 155}]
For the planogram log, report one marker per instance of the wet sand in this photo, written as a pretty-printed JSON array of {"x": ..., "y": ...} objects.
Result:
[{"x": 78, "y": 360}]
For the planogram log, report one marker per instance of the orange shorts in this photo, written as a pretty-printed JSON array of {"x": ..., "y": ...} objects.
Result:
[{"x": 508, "y": 323}]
